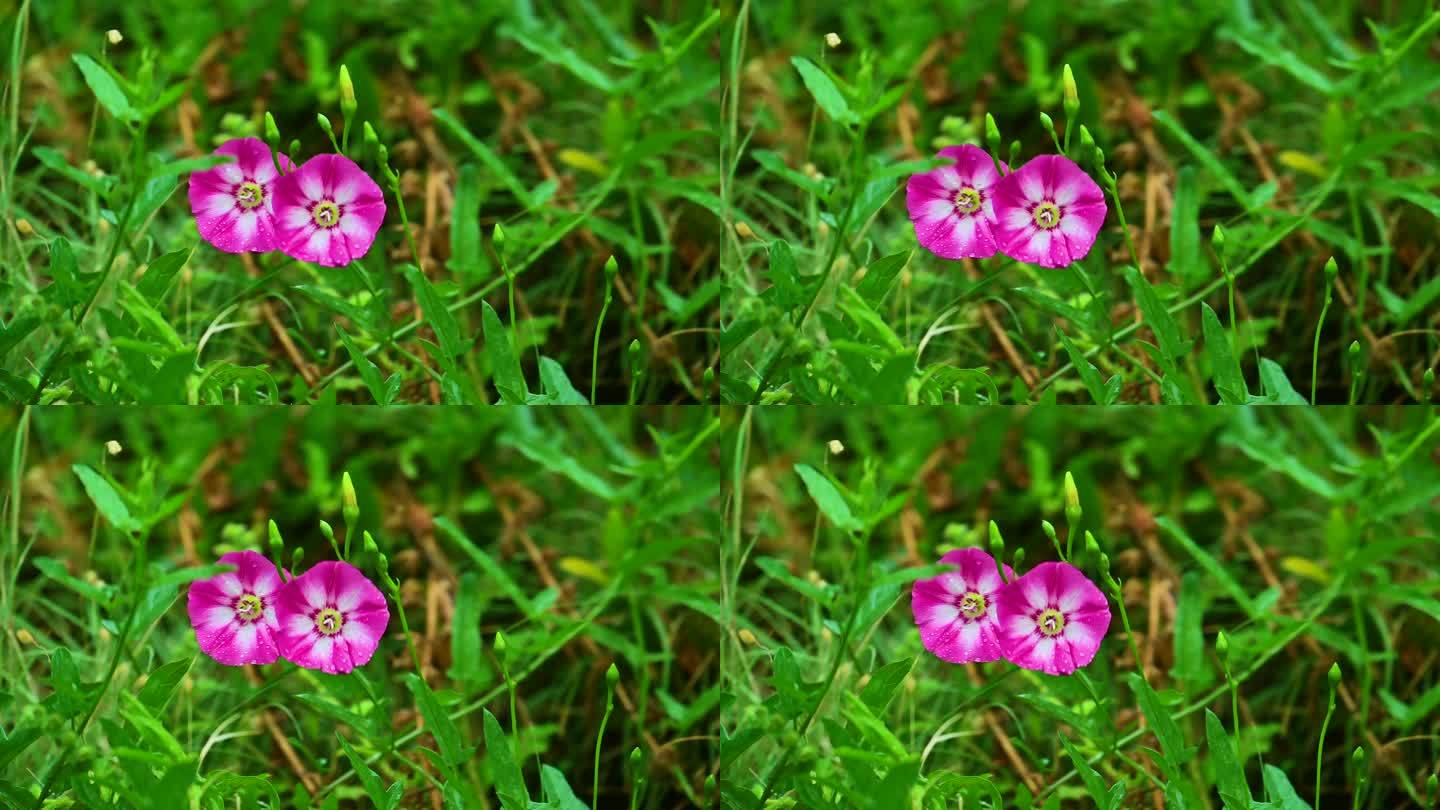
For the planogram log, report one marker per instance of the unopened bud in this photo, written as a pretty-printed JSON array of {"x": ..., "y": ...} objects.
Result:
[
  {"x": 1222, "y": 647},
  {"x": 297, "y": 558},
  {"x": 114, "y": 37},
  {"x": 1072, "y": 500},
  {"x": 1331, "y": 270},
  {"x": 498, "y": 237},
  {"x": 25, "y": 637},
  {"x": 272, "y": 132},
  {"x": 1049, "y": 529},
  {"x": 1014, "y": 152},
  {"x": 277, "y": 545},
  {"x": 324, "y": 121},
  {"x": 747, "y": 637},
  {"x": 744, "y": 231},
  {"x": 347, "y": 93},
  {"x": 1047, "y": 124},
  {"x": 836, "y": 447},
  {"x": 997, "y": 543},
  {"x": 369, "y": 544},
  {"x": 992, "y": 133},
  {"x": 1334, "y": 675},
  {"x": 1092, "y": 546},
  {"x": 832, "y": 39},
  {"x": 349, "y": 504},
  {"x": 113, "y": 447},
  {"x": 612, "y": 677},
  {"x": 636, "y": 761},
  {"x": 611, "y": 268},
  {"x": 1072, "y": 95},
  {"x": 1217, "y": 238},
  {"x": 502, "y": 647},
  {"x": 1019, "y": 559},
  {"x": 24, "y": 227}
]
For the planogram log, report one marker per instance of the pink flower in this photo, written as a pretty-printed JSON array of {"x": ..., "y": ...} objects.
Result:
[
  {"x": 956, "y": 611},
  {"x": 332, "y": 618},
  {"x": 327, "y": 211},
  {"x": 233, "y": 203},
  {"x": 234, "y": 613},
  {"x": 1048, "y": 212},
  {"x": 1052, "y": 619},
  {"x": 952, "y": 206}
]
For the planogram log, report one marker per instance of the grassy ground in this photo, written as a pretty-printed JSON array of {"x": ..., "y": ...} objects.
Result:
[
  {"x": 1304, "y": 130},
  {"x": 583, "y": 536},
  {"x": 1307, "y": 538},
  {"x": 586, "y": 129}
]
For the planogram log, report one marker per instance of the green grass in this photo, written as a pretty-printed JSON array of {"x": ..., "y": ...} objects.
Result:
[
  {"x": 584, "y": 537},
  {"x": 586, "y": 129},
  {"x": 1308, "y": 538},
  {"x": 1303, "y": 130}
]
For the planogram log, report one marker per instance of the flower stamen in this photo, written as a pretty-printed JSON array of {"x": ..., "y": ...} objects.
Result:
[
  {"x": 249, "y": 607},
  {"x": 329, "y": 622},
  {"x": 967, "y": 200},
  {"x": 973, "y": 605},
  {"x": 1050, "y": 622},
  {"x": 325, "y": 214},
  {"x": 1047, "y": 215},
  {"x": 250, "y": 195}
]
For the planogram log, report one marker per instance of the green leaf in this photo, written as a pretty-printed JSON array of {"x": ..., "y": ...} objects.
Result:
[
  {"x": 1207, "y": 158},
  {"x": 504, "y": 365},
  {"x": 1088, "y": 373},
  {"x": 883, "y": 683},
  {"x": 437, "y": 722},
  {"x": 151, "y": 729},
  {"x": 789, "y": 289},
  {"x": 1172, "y": 741},
  {"x": 1229, "y": 776},
  {"x": 447, "y": 330},
  {"x": 562, "y": 797},
  {"x": 467, "y": 256},
  {"x": 15, "y": 744},
  {"x": 54, "y": 569},
  {"x": 1094, "y": 784},
  {"x": 161, "y": 684},
  {"x": 494, "y": 165},
  {"x": 1185, "y": 227},
  {"x": 823, "y": 88},
  {"x": 74, "y": 290},
  {"x": 1276, "y": 385},
  {"x": 1191, "y": 667},
  {"x": 369, "y": 780},
  {"x": 504, "y": 770},
  {"x": 105, "y": 88},
  {"x": 1167, "y": 333},
  {"x": 467, "y": 664},
  {"x": 1229, "y": 380},
  {"x": 1282, "y": 793},
  {"x": 160, "y": 273},
  {"x": 1219, "y": 575},
  {"x": 369, "y": 372},
  {"x": 827, "y": 496},
  {"x": 880, "y": 276},
  {"x": 106, "y": 499},
  {"x": 494, "y": 572}
]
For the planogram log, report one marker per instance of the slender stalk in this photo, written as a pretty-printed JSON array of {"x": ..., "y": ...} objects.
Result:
[
  {"x": 1315, "y": 350},
  {"x": 599, "y": 740},
  {"x": 595, "y": 348}
]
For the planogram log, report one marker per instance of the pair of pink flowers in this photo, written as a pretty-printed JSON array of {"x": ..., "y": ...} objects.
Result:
[
  {"x": 1051, "y": 620},
  {"x": 326, "y": 211},
  {"x": 1047, "y": 212},
  {"x": 330, "y": 618}
]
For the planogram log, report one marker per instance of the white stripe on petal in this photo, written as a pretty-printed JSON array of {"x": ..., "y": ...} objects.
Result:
[
  {"x": 347, "y": 190},
  {"x": 311, "y": 186},
  {"x": 313, "y": 591},
  {"x": 948, "y": 177},
  {"x": 1032, "y": 185},
  {"x": 1016, "y": 218},
  {"x": 217, "y": 617},
  {"x": 298, "y": 624},
  {"x": 229, "y": 584},
  {"x": 324, "y": 648},
  {"x": 944, "y": 614},
  {"x": 230, "y": 173},
  {"x": 245, "y": 639}
]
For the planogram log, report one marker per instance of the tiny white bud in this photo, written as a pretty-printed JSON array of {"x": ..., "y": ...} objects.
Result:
[
  {"x": 114, "y": 36},
  {"x": 112, "y": 447},
  {"x": 832, "y": 39},
  {"x": 836, "y": 446}
]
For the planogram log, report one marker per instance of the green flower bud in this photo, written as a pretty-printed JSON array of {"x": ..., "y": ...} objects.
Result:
[
  {"x": 1222, "y": 648},
  {"x": 611, "y": 268},
  {"x": 367, "y": 134},
  {"x": 1049, "y": 529},
  {"x": 327, "y": 532},
  {"x": 710, "y": 785},
  {"x": 636, "y": 760},
  {"x": 324, "y": 122},
  {"x": 1429, "y": 378},
  {"x": 277, "y": 545},
  {"x": 634, "y": 350},
  {"x": 1217, "y": 238},
  {"x": 349, "y": 504},
  {"x": 502, "y": 648},
  {"x": 1047, "y": 124},
  {"x": 370, "y": 546},
  {"x": 294, "y": 152},
  {"x": 297, "y": 559},
  {"x": 1072, "y": 500},
  {"x": 1072, "y": 94},
  {"x": 992, "y": 133},
  {"x": 498, "y": 238},
  {"x": 1432, "y": 788},
  {"x": 1018, "y": 560},
  {"x": 612, "y": 677},
  {"x": 997, "y": 543},
  {"x": 272, "y": 132},
  {"x": 1334, "y": 675},
  {"x": 347, "y": 93},
  {"x": 708, "y": 379}
]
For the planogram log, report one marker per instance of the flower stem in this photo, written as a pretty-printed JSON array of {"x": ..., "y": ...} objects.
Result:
[
  {"x": 599, "y": 739},
  {"x": 1320, "y": 748},
  {"x": 1315, "y": 352},
  {"x": 595, "y": 349}
]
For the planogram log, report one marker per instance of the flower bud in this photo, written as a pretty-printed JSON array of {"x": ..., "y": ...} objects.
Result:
[
  {"x": 1432, "y": 788},
  {"x": 114, "y": 37},
  {"x": 744, "y": 231},
  {"x": 1019, "y": 560},
  {"x": 1222, "y": 648},
  {"x": 997, "y": 543},
  {"x": 832, "y": 39},
  {"x": 1014, "y": 152},
  {"x": 349, "y": 504},
  {"x": 992, "y": 133},
  {"x": 502, "y": 648},
  {"x": 611, "y": 268},
  {"x": 297, "y": 558},
  {"x": 1334, "y": 675},
  {"x": 272, "y": 132},
  {"x": 1047, "y": 124},
  {"x": 636, "y": 761},
  {"x": 347, "y": 93},
  {"x": 1331, "y": 271},
  {"x": 1049, "y": 529},
  {"x": 24, "y": 227},
  {"x": 1217, "y": 238},
  {"x": 1072, "y": 500},
  {"x": 634, "y": 350},
  {"x": 1072, "y": 95},
  {"x": 327, "y": 532},
  {"x": 835, "y": 446},
  {"x": 25, "y": 637},
  {"x": 498, "y": 237},
  {"x": 277, "y": 545},
  {"x": 325, "y": 127},
  {"x": 368, "y": 543},
  {"x": 747, "y": 637},
  {"x": 113, "y": 447},
  {"x": 612, "y": 677}
]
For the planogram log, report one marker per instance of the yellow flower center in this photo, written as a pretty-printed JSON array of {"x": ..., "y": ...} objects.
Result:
[
  {"x": 1047, "y": 215},
  {"x": 973, "y": 605},
  {"x": 326, "y": 214},
  {"x": 249, "y": 607},
  {"x": 967, "y": 200},
  {"x": 329, "y": 621},
  {"x": 250, "y": 195},
  {"x": 1051, "y": 622}
]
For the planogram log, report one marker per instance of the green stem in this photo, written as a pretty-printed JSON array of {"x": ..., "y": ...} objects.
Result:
[
  {"x": 1129, "y": 634},
  {"x": 1320, "y": 749},
  {"x": 404, "y": 627},
  {"x": 1315, "y": 352},
  {"x": 595, "y": 349},
  {"x": 599, "y": 739}
]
